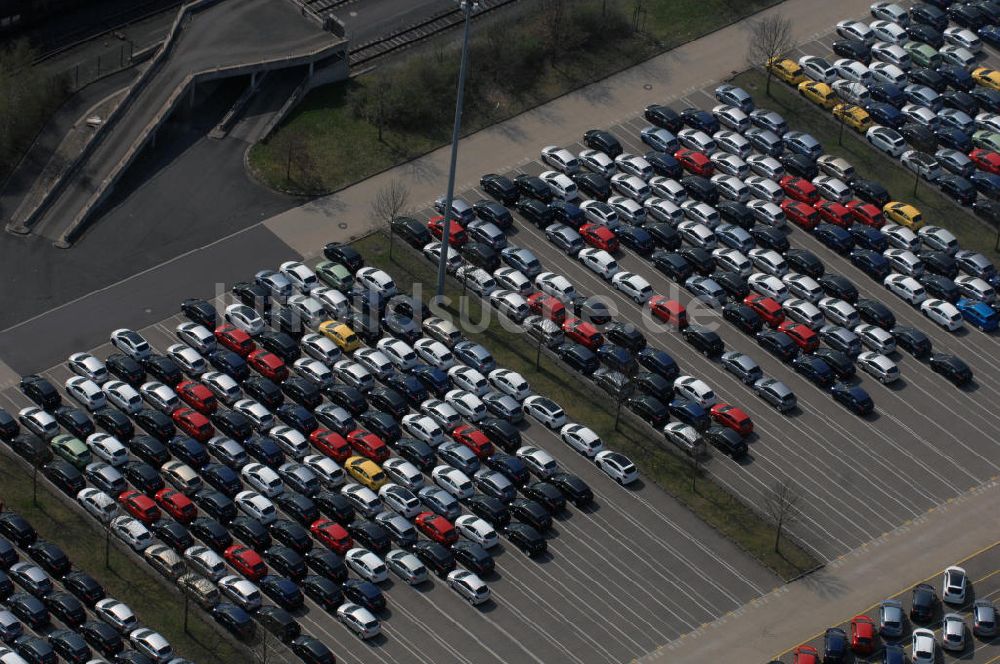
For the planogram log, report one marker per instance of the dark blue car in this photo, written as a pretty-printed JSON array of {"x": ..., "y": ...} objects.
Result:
[
  {"x": 702, "y": 120},
  {"x": 659, "y": 362},
  {"x": 689, "y": 413},
  {"x": 887, "y": 93},
  {"x": 989, "y": 99},
  {"x": 664, "y": 164},
  {"x": 636, "y": 238},
  {"x": 873, "y": 264},
  {"x": 434, "y": 379},
  {"x": 616, "y": 357},
  {"x": 834, "y": 237},
  {"x": 987, "y": 184},
  {"x": 867, "y": 237},
  {"x": 886, "y": 115},
  {"x": 957, "y": 77},
  {"x": 853, "y": 398},
  {"x": 956, "y": 139},
  {"x": 990, "y": 34}
]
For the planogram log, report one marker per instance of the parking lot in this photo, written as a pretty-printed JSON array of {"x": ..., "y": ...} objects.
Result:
[{"x": 983, "y": 571}]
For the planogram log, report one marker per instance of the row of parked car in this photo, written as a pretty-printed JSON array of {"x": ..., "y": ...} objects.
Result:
[{"x": 39, "y": 584}]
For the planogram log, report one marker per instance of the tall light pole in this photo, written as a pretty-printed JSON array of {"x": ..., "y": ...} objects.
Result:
[{"x": 467, "y": 6}]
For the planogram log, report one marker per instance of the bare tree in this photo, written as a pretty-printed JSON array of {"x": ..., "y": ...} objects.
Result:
[
  {"x": 390, "y": 202},
  {"x": 770, "y": 38},
  {"x": 781, "y": 503},
  {"x": 554, "y": 19},
  {"x": 267, "y": 649}
]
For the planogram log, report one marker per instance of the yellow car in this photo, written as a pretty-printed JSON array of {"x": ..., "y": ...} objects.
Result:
[
  {"x": 366, "y": 471},
  {"x": 787, "y": 70},
  {"x": 340, "y": 334},
  {"x": 903, "y": 214},
  {"x": 854, "y": 117},
  {"x": 818, "y": 93},
  {"x": 988, "y": 78}
]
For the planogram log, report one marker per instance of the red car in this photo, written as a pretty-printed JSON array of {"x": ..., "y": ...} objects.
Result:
[
  {"x": 177, "y": 505},
  {"x": 246, "y": 561},
  {"x": 799, "y": 188},
  {"x": 669, "y": 311},
  {"x": 835, "y": 213},
  {"x": 862, "y": 635},
  {"x": 987, "y": 160},
  {"x": 474, "y": 439},
  {"x": 436, "y": 527},
  {"x": 866, "y": 213},
  {"x": 268, "y": 365},
  {"x": 803, "y": 337},
  {"x": 766, "y": 308},
  {"x": 198, "y": 396},
  {"x": 140, "y": 506},
  {"x": 456, "y": 233},
  {"x": 600, "y": 237},
  {"x": 800, "y": 214},
  {"x": 732, "y": 417},
  {"x": 583, "y": 333},
  {"x": 695, "y": 162},
  {"x": 234, "y": 339},
  {"x": 805, "y": 655},
  {"x": 547, "y": 306},
  {"x": 368, "y": 445},
  {"x": 332, "y": 534},
  {"x": 331, "y": 444},
  {"x": 193, "y": 424}
]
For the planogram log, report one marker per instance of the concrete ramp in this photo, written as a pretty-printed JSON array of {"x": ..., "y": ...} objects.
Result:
[{"x": 210, "y": 39}]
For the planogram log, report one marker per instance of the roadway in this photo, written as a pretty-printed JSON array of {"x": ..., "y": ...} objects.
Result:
[{"x": 366, "y": 20}]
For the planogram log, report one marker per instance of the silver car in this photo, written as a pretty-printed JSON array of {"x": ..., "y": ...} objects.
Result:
[
  {"x": 742, "y": 366},
  {"x": 775, "y": 393},
  {"x": 406, "y": 566},
  {"x": 953, "y": 632},
  {"x": 984, "y": 619},
  {"x": 891, "y": 619}
]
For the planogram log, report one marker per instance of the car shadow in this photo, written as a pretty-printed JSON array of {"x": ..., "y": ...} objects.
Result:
[
  {"x": 376, "y": 641},
  {"x": 873, "y": 416},
  {"x": 970, "y": 387},
  {"x": 896, "y": 385},
  {"x": 745, "y": 460},
  {"x": 489, "y": 606}
]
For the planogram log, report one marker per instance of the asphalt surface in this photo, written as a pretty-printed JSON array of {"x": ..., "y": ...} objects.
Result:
[
  {"x": 224, "y": 35},
  {"x": 366, "y": 20}
]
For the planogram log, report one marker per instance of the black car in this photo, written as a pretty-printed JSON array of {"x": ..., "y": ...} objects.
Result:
[
  {"x": 254, "y": 295},
  {"x": 291, "y": 534},
  {"x": 481, "y": 255},
  {"x": 545, "y": 494},
  {"x": 298, "y": 417},
  {"x": 834, "y": 645},
  {"x": 871, "y": 192},
  {"x": 838, "y": 286},
  {"x": 700, "y": 189},
  {"x": 726, "y": 441},
  {"x": 923, "y": 604},
  {"x": 232, "y": 423},
  {"x": 853, "y": 49},
  {"x": 743, "y": 317},
  {"x": 735, "y": 285},
  {"x": 876, "y": 313},
  {"x": 323, "y": 591},
  {"x": 930, "y": 15},
  {"x": 188, "y": 450},
  {"x": 236, "y": 621},
  {"x": 815, "y": 369},
  {"x": 837, "y": 361},
  {"x": 799, "y": 164},
  {"x": 143, "y": 477},
  {"x": 40, "y": 391},
  {"x": 526, "y": 538},
  {"x": 327, "y": 563},
  {"x": 473, "y": 557},
  {"x": 594, "y": 185},
  {"x": 303, "y": 391},
  {"x": 597, "y": 139},
  {"x": 962, "y": 101},
  {"x": 312, "y": 650},
  {"x": 805, "y": 262},
  {"x": 434, "y": 379},
  {"x": 958, "y": 188},
  {"x": 664, "y": 164},
  {"x": 579, "y": 358},
  {"x": 28, "y": 609},
  {"x": 216, "y": 504},
  {"x": 116, "y": 423},
  {"x": 871, "y": 263},
  {"x": 500, "y": 188},
  {"x": 344, "y": 254},
  {"x": 347, "y": 397},
  {"x": 438, "y": 558},
  {"x": 102, "y": 637},
  {"x": 495, "y": 213},
  {"x": 501, "y": 433},
  {"x": 951, "y": 367},
  {"x": 700, "y": 259},
  {"x": 49, "y": 557},
  {"x": 9, "y": 427},
  {"x": 573, "y": 488},
  {"x": 768, "y": 237},
  {"x": 664, "y": 235},
  {"x": 672, "y": 265},
  {"x": 212, "y": 533},
  {"x": 126, "y": 369},
  {"x": 778, "y": 344},
  {"x": 35, "y": 650},
  {"x": 490, "y": 509},
  {"x": 201, "y": 312},
  {"x": 411, "y": 231},
  {"x": 65, "y": 476},
  {"x": 649, "y": 408},
  {"x": 73, "y": 420},
  {"x": 735, "y": 213},
  {"x": 366, "y": 593},
  {"x": 625, "y": 335},
  {"x": 17, "y": 529},
  {"x": 388, "y": 400},
  {"x": 417, "y": 452},
  {"x": 164, "y": 369},
  {"x": 283, "y": 591},
  {"x": 967, "y": 16},
  {"x": 957, "y": 77},
  {"x": 659, "y": 362},
  {"x": 853, "y": 398},
  {"x": 536, "y": 212},
  {"x": 531, "y": 512},
  {"x": 279, "y": 622},
  {"x": 533, "y": 186},
  {"x": 938, "y": 262},
  {"x": 251, "y": 532},
  {"x": 918, "y": 136},
  {"x": 654, "y": 385},
  {"x": 286, "y": 562},
  {"x": 837, "y": 238},
  {"x": 8, "y": 555},
  {"x": 928, "y": 77},
  {"x": 887, "y": 93},
  {"x": 173, "y": 534},
  {"x": 912, "y": 340},
  {"x": 301, "y": 508},
  {"x": 567, "y": 213},
  {"x": 288, "y": 322},
  {"x": 664, "y": 116},
  {"x": 66, "y": 608},
  {"x": 264, "y": 450},
  {"x": 281, "y": 344},
  {"x": 707, "y": 342},
  {"x": 156, "y": 424},
  {"x": 987, "y": 98},
  {"x": 32, "y": 448},
  {"x": 370, "y": 535}
]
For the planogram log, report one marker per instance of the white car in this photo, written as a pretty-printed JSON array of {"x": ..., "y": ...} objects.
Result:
[
  {"x": 398, "y": 352},
  {"x": 853, "y": 71},
  {"x": 695, "y": 139},
  {"x": 839, "y": 312},
  {"x": 377, "y": 280},
  {"x": 818, "y": 69},
  {"x": 545, "y": 410},
  {"x": 117, "y": 614},
  {"x": 469, "y": 380},
  {"x": 107, "y": 448},
  {"x": 769, "y": 262},
  {"x": 38, "y": 422},
  {"x": 887, "y": 140},
  {"x": 262, "y": 479},
  {"x": 256, "y": 506},
  {"x": 633, "y": 286},
  {"x": 477, "y": 530},
  {"x": 857, "y": 31},
  {"x": 697, "y": 235},
  {"x": 406, "y": 566},
  {"x": 890, "y": 32},
  {"x": 469, "y": 586},
  {"x": 538, "y": 461},
  {"x": 598, "y": 162},
  {"x": 366, "y": 565},
  {"x": 260, "y": 417},
  {"x": 924, "y": 649},
  {"x": 359, "y": 620},
  {"x": 732, "y": 260},
  {"x": 245, "y": 318},
  {"x": 560, "y": 159},
  {"x": 702, "y": 213},
  {"x": 510, "y": 383},
  {"x": 669, "y": 189},
  {"x": 400, "y": 499},
  {"x": 132, "y": 532},
  {"x": 631, "y": 186},
  {"x": 890, "y": 11},
  {"x": 89, "y": 367},
  {"x": 160, "y": 397},
  {"x": 467, "y": 404},
  {"x": 953, "y": 585},
  {"x": 963, "y": 37},
  {"x": 328, "y": 471},
  {"x": 627, "y": 210},
  {"x": 478, "y": 280},
  {"x": 556, "y": 285},
  {"x": 131, "y": 343},
  {"x": 86, "y": 392},
  {"x": 241, "y": 592},
  {"x": 880, "y": 367},
  {"x": 403, "y": 473},
  {"x": 122, "y": 396},
  {"x": 364, "y": 499},
  {"x": 617, "y": 466},
  {"x": 582, "y": 439},
  {"x": 696, "y": 390},
  {"x": 301, "y": 276},
  {"x": 599, "y": 262},
  {"x": 906, "y": 288},
  {"x": 454, "y": 481},
  {"x": 803, "y": 311},
  {"x": 435, "y": 353},
  {"x": 631, "y": 164},
  {"x": 375, "y": 361},
  {"x": 765, "y": 189},
  {"x": 876, "y": 338},
  {"x": 938, "y": 239},
  {"x": 769, "y": 286},
  {"x": 943, "y": 313},
  {"x": 223, "y": 386},
  {"x": 207, "y": 562},
  {"x": 803, "y": 286},
  {"x": 100, "y": 505},
  {"x": 424, "y": 428},
  {"x": 561, "y": 185}
]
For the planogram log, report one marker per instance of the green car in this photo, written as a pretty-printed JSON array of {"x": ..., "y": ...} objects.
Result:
[
  {"x": 923, "y": 55},
  {"x": 72, "y": 450},
  {"x": 986, "y": 139},
  {"x": 335, "y": 275}
]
